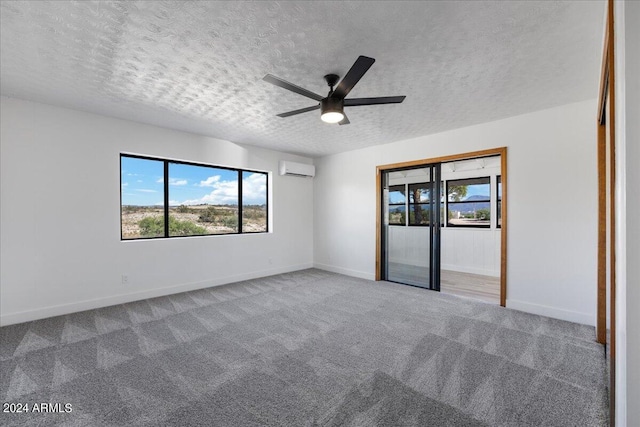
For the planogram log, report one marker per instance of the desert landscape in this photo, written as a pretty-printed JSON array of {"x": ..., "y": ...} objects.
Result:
[{"x": 148, "y": 221}]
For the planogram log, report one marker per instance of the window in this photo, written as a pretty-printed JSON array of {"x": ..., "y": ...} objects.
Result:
[
  {"x": 141, "y": 197},
  {"x": 499, "y": 202},
  {"x": 166, "y": 198},
  {"x": 254, "y": 202},
  {"x": 469, "y": 202},
  {"x": 419, "y": 210},
  {"x": 397, "y": 205}
]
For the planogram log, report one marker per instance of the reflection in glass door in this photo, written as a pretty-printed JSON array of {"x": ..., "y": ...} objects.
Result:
[{"x": 411, "y": 226}]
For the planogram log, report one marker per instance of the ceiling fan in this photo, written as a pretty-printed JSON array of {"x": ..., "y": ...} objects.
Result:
[{"x": 332, "y": 106}]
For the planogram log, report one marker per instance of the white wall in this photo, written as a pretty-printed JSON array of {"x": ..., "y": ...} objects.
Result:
[
  {"x": 627, "y": 30},
  {"x": 60, "y": 224},
  {"x": 552, "y": 205},
  {"x": 471, "y": 250}
]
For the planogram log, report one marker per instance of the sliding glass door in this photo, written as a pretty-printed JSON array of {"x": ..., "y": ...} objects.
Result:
[{"x": 411, "y": 218}]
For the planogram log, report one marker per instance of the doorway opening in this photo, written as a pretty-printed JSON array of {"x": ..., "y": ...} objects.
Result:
[{"x": 442, "y": 224}]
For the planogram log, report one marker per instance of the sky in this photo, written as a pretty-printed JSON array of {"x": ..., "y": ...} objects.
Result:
[
  {"x": 142, "y": 184},
  {"x": 477, "y": 190}
]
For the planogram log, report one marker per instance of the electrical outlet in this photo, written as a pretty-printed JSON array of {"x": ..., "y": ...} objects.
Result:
[{"x": 125, "y": 279}]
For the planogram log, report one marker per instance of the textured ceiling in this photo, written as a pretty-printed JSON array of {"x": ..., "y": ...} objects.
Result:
[{"x": 198, "y": 66}]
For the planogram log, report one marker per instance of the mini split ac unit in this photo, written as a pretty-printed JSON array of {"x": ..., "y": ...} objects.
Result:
[{"x": 297, "y": 169}]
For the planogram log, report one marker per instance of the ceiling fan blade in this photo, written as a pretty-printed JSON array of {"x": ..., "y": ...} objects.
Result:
[
  {"x": 300, "y": 111},
  {"x": 290, "y": 86},
  {"x": 353, "y": 76},
  {"x": 353, "y": 102},
  {"x": 344, "y": 121}
]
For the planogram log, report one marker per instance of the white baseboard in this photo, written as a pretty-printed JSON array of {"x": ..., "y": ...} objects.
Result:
[
  {"x": 556, "y": 313},
  {"x": 59, "y": 310},
  {"x": 345, "y": 271}
]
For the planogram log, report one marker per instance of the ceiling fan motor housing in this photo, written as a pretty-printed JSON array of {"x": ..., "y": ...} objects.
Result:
[{"x": 331, "y": 105}]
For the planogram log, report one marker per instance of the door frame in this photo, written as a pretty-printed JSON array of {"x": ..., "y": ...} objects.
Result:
[
  {"x": 502, "y": 152},
  {"x": 606, "y": 206}
]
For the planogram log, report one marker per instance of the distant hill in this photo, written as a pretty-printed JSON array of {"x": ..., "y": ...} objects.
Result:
[
  {"x": 465, "y": 207},
  {"x": 476, "y": 197}
]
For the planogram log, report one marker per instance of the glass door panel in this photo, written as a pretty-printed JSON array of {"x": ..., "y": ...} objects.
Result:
[{"x": 411, "y": 199}]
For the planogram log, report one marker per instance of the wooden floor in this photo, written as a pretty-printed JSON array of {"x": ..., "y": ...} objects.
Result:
[{"x": 485, "y": 288}]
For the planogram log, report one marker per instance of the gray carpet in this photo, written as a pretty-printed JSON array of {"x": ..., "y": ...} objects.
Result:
[{"x": 305, "y": 349}]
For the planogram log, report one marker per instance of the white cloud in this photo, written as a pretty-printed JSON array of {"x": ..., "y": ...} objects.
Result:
[
  {"x": 124, "y": 184},
  {"x": 212, "y": 181},
  {"x": 226, "y": 192},
  {"x": 254, "y": 188},
  {"x": 223, "y": 193},
  {"x": 144, "y": 190},
  {"x": 173, "y": 181}
]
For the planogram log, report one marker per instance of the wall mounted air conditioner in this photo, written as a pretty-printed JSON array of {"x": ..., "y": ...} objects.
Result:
[{"x": 297, "y": 169}]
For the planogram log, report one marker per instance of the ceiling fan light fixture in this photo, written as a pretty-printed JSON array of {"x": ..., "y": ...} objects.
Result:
[
  {"x": 332, "y": 110},
  {"x": 332, "y": 117}
]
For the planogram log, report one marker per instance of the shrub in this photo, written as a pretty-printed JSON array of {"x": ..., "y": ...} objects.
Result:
[
  {"x": 254, "y": 211},
  {"x": 230, "y": 221},
  {"x": 209, "y": 214},
  {"x": 153, "y": 226},
  {"x": 483, "y": 214},
  {"x": 184, "y": 228}
]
